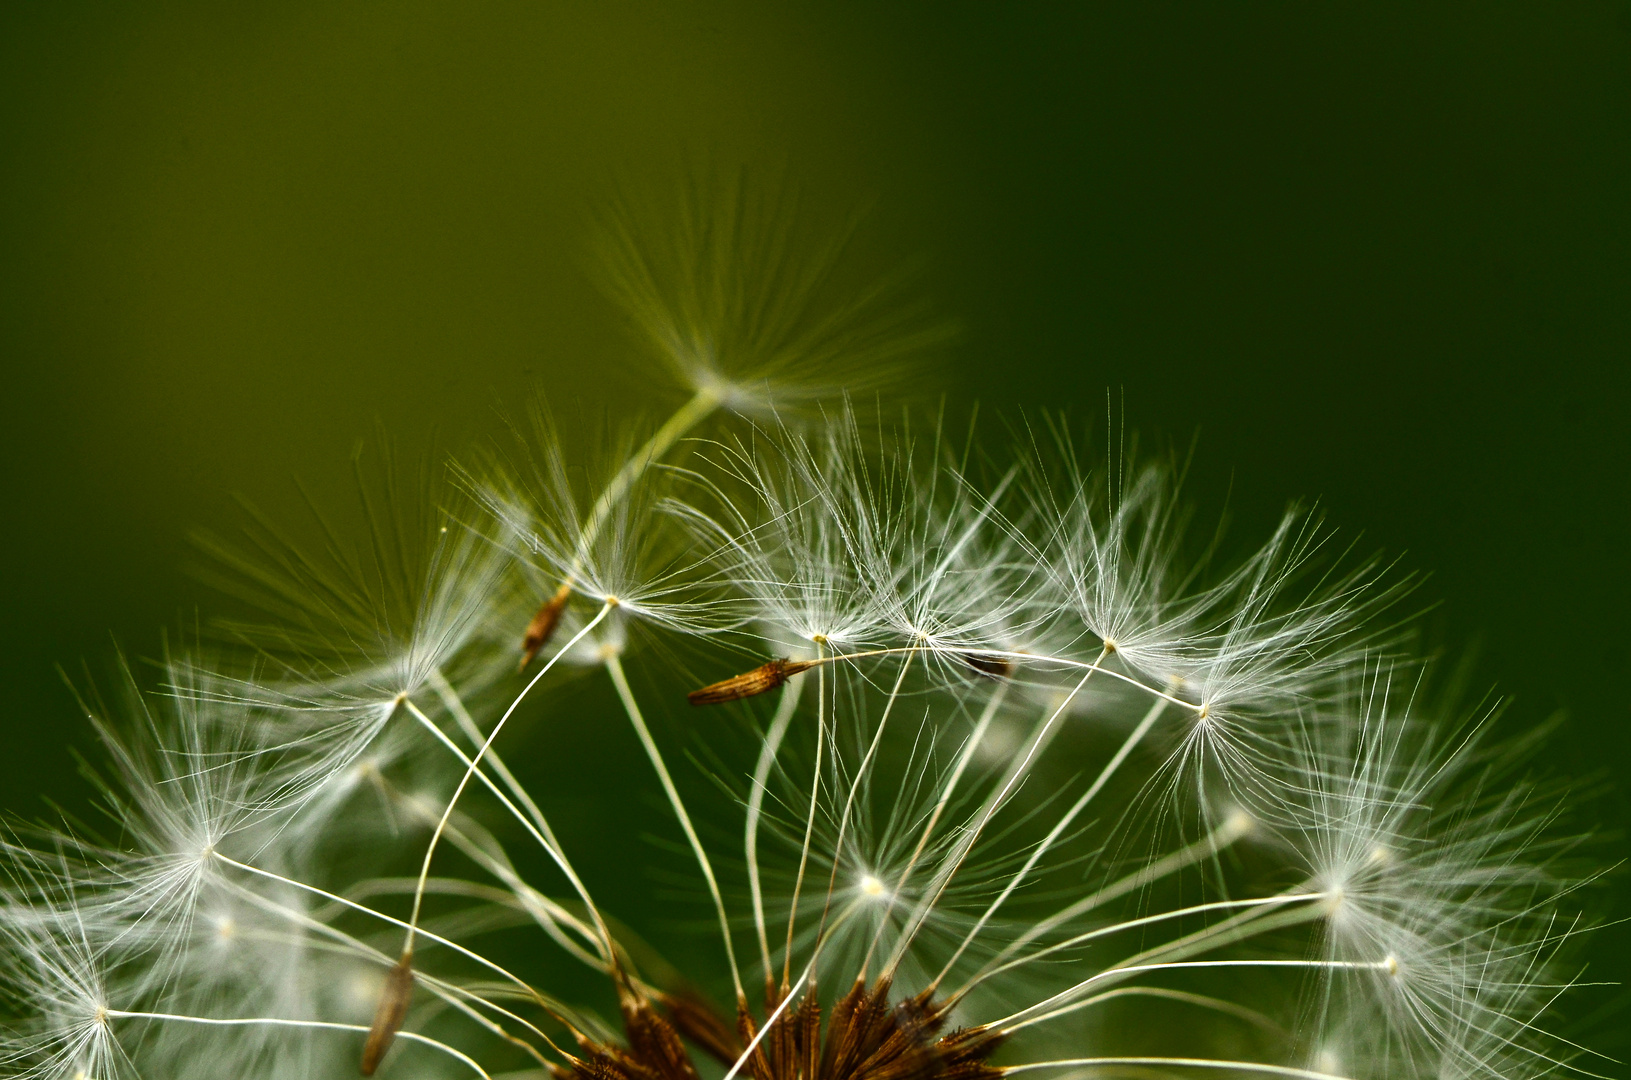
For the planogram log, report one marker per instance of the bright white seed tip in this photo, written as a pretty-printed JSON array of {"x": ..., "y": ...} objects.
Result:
[
  {"x": 871, "y": 886},
  {"x": 1239, "y": 824}
]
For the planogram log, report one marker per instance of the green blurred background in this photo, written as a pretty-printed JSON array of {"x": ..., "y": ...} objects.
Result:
[{"x": 1378, "y": 255}]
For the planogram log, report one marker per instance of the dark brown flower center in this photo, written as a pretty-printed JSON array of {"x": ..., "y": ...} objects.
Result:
[{"x": 864, "y": 1038}]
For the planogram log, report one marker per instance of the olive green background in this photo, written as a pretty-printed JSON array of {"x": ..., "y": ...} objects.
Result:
[{"x": 1377, "y": 255}]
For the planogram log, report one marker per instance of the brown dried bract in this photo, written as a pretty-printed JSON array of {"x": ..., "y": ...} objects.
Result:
[
  {"x": 697, "y": 1021},
  {"x": 995, "y": 667},
  {"x": 762, "y": 678},
  {"x": 866, "y": 1038},
  {"x": 542, "y": 627},
  {"x": 653, "y": 1042},
  {"x": 388, "y": 1017}
]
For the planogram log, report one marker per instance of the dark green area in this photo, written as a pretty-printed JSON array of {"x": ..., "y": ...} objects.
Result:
[{"x": 1376, "y": 255}]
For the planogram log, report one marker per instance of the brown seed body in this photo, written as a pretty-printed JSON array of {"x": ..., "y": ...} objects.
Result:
[
  {"x": 542, "y": 627},
  {"x": 763, "y": 678},
  {"x": 996, "y": 667},
  {"x": 388, "y": 1016}
]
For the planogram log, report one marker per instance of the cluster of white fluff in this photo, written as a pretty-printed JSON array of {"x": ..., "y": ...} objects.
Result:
[{"x": 1026, "y": 749}]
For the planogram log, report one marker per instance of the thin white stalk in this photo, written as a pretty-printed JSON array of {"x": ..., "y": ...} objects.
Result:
[
  {"x": 1147, "y": 920},
  {"x": 992, "y": 803},
  {"x": 366, "y": 910},
  {"x": 810, "y": 817},
  {"x": 430, "y": 849},
  {"x": 1013, "y": 1023},
  {"x": 1057, "y": 830},
  {"x": 518, "y": 896},
  {"x": 1066, "y": 662},
  {"x": 849, "y": 800},
  {"x": 756, "y": 797},
  {"x": 272, "y": 1021},
  {"x": 542, "y": 833},
  {"x": 615, "y": 668},
  {"x": 455, "y": 705},
  {"x": 1029, "y": 658},
  {"x": 545, "y": 911},
  {"x": 1188, "y": 1063},
  {"x": 1246, "y": 924},
  {"x": 1204, "y": 848},
  {"x": 687, "y": 416},
  {"x": 770, "y": 1022},
  {"x": 456, "y": 996},
  {"x": 465, "y": 1001},
  {"x": 1202, "y": 1001},
  {"x": 545, "y": 838},
  {"x": 969, "y": 749}
]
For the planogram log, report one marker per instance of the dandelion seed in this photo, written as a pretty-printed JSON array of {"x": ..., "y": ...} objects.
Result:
[
  {"x": 762, "y": 679},
  {"x": 392, "y": 1010},
  {"x": 731, "y": 301},
  {"x": 543, "y": 624}
]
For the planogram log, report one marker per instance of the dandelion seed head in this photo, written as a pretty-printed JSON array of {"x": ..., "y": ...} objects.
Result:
[
  {"x": 50, "y": 965},
  {"x": 1020, "y": 767}
]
